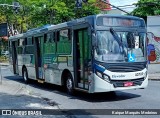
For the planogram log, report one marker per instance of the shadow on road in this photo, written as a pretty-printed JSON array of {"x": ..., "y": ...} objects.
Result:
[
  {"x": 21, "y": 105},
  {"x": 96, "y": 97},
  {"x": 15, "y": 78},
  {"x": 107, "y": 96},
  {"x": 21, "y": 101}
]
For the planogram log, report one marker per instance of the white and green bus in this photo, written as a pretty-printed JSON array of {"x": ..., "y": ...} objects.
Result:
[{"x": 98, "y": 53}]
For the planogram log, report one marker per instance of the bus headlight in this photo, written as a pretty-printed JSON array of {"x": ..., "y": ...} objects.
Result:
[
  {"x": 103, "y": 76},
  {"x": 106, "y": 78},
  {"x": 99, "y": 74}
]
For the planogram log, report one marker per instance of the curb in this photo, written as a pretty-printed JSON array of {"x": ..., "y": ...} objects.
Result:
[
  {"x": 154, "y": 79},
  {"x": 3, "y": 64}
]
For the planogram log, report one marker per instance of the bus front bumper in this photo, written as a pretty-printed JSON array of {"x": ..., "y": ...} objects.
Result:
[{"x": 100, "y": 85}]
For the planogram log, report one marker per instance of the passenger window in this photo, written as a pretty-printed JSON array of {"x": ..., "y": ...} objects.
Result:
[
  {"x": 21, "y": 42},
  {"x": 63, "y": 42},
  {"x": 49, "y": 43},
  {"x": 29, "y": 41}
]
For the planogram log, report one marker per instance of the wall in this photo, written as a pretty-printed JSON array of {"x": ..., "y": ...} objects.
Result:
[{"x": 153, "y": 27}]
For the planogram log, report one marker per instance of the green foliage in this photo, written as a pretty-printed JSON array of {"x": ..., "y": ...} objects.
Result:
[
  {"x": 35, "y": 13},
  {"x": 3, "y": 59},
  {"x": 147, "y": 7}
]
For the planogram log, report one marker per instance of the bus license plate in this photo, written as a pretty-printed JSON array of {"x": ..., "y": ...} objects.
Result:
[{"x": 126, "y": 84}]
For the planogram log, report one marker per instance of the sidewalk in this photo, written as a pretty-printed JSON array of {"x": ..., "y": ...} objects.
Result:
[
  {"x": 154, "y": 71},
  {"x": 155, "y": 76},
  {"x": 16, "y": 95},
  {"x": 4, "y": 64}
]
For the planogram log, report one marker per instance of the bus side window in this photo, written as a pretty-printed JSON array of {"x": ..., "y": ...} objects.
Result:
[
  {"x": 18, "y": 42},
  {"x": 49, "y": 43},
  {"x": 24, "y": 41},
  {"x": 50, "y": 37},
  {"x": 19, "y": 46},
  {"x": 54, "y": 36},
  {"x": 29, "y": 41},
  {"x": 32, "y": 40},
  {"x": 57, "y": 36},
  {"x": 45, "y": 38},
  {"x": 21, "y": 42},
  {"x": 63, "y": 42}
]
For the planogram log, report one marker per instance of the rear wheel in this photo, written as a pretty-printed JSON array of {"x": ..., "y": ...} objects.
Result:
[
  {"x": 69, "y": 84},
  {"x": 25, "y": 75}
]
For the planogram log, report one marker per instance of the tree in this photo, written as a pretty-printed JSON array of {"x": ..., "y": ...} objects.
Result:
[
  {"x": 147, "y": 7},
  {"x": 35, "y": 13}
]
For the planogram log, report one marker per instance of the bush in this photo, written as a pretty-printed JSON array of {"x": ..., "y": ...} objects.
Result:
[{"x": 3, "y": 59}]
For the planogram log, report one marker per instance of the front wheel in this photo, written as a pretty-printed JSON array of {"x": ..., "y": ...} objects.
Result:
[
  {"x": 69, "y": 85},
  {"x": 25, "y": 75}
]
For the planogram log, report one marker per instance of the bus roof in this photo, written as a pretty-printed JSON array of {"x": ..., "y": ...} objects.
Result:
[{"x": 49, "y": 27}]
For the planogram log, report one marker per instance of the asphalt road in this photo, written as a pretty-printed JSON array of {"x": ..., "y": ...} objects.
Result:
[{"x": 15, "y": 94}]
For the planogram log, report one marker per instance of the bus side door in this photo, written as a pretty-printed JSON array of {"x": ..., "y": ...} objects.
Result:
[
  {"x": 38, "y": 57},
  {"x": 82, "y": 57},
  {"x": 15, "y": 57}
]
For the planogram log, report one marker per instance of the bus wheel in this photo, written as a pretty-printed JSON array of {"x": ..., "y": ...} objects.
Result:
[
  {"x": 69, "y": 85},
  {"x": 25, "y": 75}
]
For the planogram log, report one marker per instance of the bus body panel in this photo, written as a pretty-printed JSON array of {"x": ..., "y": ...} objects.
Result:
[
  {"x": 25, "y": 60},
  {"x": 50, "y": 76},
  {"x": 32, "y": 72}
]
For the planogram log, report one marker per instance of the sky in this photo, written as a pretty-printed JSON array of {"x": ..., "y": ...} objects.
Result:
[{"x": 124, "y": 2}]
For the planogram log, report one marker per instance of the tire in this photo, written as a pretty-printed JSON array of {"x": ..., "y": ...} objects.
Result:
[
  {"x": 25, "y": 75},
  {"x": 69, "y": 85}
]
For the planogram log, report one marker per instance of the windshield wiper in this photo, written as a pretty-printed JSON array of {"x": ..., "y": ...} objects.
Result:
[
  {"x": 116, "y": 37},
  {"x": 119, "y": 41}
]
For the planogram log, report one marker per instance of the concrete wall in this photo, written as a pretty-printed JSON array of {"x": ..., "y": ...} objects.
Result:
[{"x": 153, "y": 26}]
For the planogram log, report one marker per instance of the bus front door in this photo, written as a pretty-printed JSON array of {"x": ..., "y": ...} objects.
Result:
[
  {"x": 82, "y": 58},
  {"x": 14, "y": 57},
  {"x": 38, "y": 58}
]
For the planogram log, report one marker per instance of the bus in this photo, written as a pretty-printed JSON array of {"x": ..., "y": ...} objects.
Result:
[{"x": 97, "y": 53}]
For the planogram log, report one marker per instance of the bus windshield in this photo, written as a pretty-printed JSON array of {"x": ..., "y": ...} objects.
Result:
[{"x": 121, "y": 46}]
